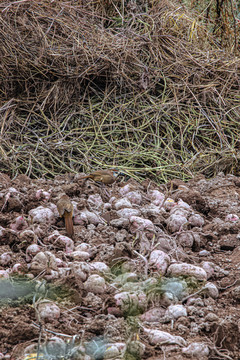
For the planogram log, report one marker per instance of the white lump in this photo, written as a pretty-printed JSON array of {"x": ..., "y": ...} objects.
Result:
[
  {"x": 158, "y": 337},
  {"x": 95, "y": 284},
  {"x": 42, "y": 215},
  {"x": 188, "y": 270}
]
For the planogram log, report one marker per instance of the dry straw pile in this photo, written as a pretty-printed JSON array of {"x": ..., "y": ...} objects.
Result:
[{"x": 138, "y": 84}]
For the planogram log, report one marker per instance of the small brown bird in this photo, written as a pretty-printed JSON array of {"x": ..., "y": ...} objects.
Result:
[
  {"x": 103, "y": 176},
  {"x": 65, "y": 209}
]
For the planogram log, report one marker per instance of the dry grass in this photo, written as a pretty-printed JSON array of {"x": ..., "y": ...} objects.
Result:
[{"x": 88, "y": 84}]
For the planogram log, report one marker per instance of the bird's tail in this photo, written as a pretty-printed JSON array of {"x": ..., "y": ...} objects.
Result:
[
  {"x": 69, "y": 224},
  {"x": 85, "y": 177}
]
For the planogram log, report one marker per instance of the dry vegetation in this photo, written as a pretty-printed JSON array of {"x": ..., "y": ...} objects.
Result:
[{"x": 138, "y": 84}]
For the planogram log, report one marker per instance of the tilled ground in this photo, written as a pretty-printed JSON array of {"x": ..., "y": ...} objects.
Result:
[{"x": 109, "y": 286}]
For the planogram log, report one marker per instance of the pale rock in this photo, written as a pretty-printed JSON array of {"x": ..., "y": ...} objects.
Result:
[
  {"x": 30, "y": 349},
  {"x": 2, "y": 232},
  {"x": 107, "y": 206},
  {"x": 28, "y": 236},
  {"x": 196, "y": 220},
  {"x": 135, "y": 197},
  {"x": 43, "y": 261},
  {"x": 19, "y": 224},
  {"x": 42, "y": 195},
  {"x": 48, "y": 311},
  {"x": 151, "y": 210},
  {"x": 211, "y": 317},
  {"x": 6, "y": 258},
  {"x": 231, "y": 217},
  {"x": 197, "y": 301},
  {"x": 18, "y": 269},
  {"x": 91, "y": 228},
  {"x": 185, "y": 239},
  {"x": 65, "y": 242},
  {"x": 64, "y": 272},
  {"x": 121, "y": 235},
  {"x": 41, "y": 215},
  {"x": 169, "y": 204},
  {"x": 99, "y": 267},
  {"x": 80, "y": 219},
  {"x": 125, "y": 189},
  {"x": 158, "y": 337},
  {"x": 83, "y": 247},
  {"x": 183, "y": 204},
  {"x": 127, "y": 213},
  {"x": 39, "y": 262},
  {"x": 4, "y": 274},
  {"x": 80, "y": 270},
  {"x": 93, "y": 300},
  {"x": 54, "y": 209},
  {"x": 128, "y": 300},
  {"x": 153, "y": 315},
  {"x": 112, "y": 199},
  {"x": 195, "y": 311},
  {"x": 156, "y": 197},
  {"x": 53, "y": 236},
  {"x": 236, "y": 294},
  {"x": 140, "y": 224},
  {"x": 120, "y": 223},
  {"x": 175, "y": 222},
  {"x": 159, "y": 260},
  {"x": 187, "y": 270},
  {"x": 165, "y": 243},
  {"x": 178, "y": 210},
  {"x": 209, "y": 267},
  {"x": 196, "y": 350},
  {"x": 114, "y": 350},
  {"x": 95, "y": 284},
  {"x": 136, "y": 349},
  {"x": 212, "y": 290},
  {"x": 176, "y": 311},
  {"x": 31, "y": 251},
  {"x": 95, "y": 201},
  {"x": 87, "y": 217},
  {"x": 56, "y": 345},
  {"x": 79, "y": 255},
  {"x": 204, "y": 253},
  {"x": 122, "y": 203}
]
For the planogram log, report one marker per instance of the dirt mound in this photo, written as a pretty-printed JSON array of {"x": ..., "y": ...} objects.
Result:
[{"x": 135, "y": 281}]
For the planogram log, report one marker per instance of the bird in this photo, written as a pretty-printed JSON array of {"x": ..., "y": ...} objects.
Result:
[
  {"x": 65, "y": 209},
  {"x": 104, "y": 176}
]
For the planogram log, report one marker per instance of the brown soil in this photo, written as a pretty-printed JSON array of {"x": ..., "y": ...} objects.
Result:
[{"x": 84, "y": 314}]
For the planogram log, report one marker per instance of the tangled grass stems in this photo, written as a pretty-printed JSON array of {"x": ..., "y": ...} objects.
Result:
[
  {"x": 139, "y": 145},
  {"x": 144, "y": 89}
]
